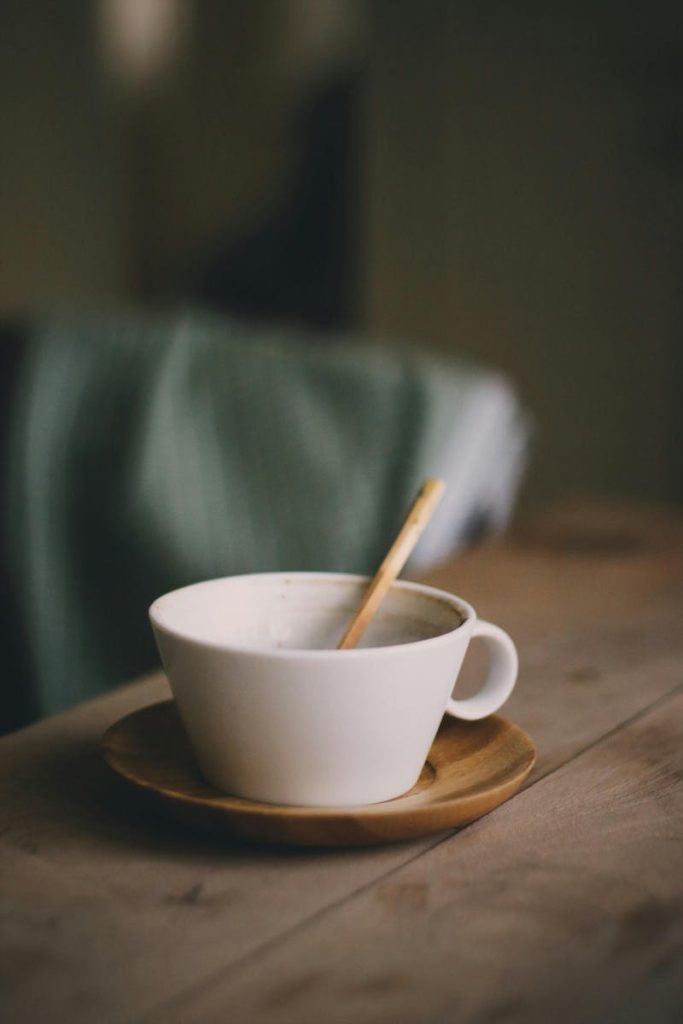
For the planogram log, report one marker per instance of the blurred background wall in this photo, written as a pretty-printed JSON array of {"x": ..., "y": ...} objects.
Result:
[
  {"x": 524, "y": 164},
  {"x": 502, "y": 182}
]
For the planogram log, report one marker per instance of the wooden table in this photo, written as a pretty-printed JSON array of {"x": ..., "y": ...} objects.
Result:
[{"x": 562, "y": 905}]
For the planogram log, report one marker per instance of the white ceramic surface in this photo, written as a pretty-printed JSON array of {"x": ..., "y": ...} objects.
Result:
[{"x": 275, "y": 713}]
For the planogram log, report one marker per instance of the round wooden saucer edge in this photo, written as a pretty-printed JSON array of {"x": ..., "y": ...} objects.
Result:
[{"x": 410, "y": 816}]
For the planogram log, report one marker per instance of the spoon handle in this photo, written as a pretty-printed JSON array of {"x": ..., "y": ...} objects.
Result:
[{"x": 394, "y": 560}]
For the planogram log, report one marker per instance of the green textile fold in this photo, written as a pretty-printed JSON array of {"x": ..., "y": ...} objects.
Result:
[{"x": 150, "y": 452}]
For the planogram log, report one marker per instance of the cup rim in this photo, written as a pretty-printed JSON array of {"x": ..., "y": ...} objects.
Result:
[{"x": 466, "y": 611}]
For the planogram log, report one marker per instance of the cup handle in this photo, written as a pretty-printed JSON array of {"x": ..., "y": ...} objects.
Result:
[{"x": 501, "y": 678}]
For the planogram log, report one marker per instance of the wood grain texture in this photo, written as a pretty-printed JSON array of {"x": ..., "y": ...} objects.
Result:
[
  {"x": 566, "y": 905},
  {"x": 472, "y": 767},
  {"x": 593, "y": 596},
  {"x": 110, "y": 915}
]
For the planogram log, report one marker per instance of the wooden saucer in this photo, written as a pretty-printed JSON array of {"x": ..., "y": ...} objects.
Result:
[{"x": 472, "y": 768}]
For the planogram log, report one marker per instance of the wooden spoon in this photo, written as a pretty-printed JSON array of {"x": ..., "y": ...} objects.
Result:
[{"x": 396, "y": 557}]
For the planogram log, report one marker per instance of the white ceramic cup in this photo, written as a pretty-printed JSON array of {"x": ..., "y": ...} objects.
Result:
[{"x": 275, "y": 713}]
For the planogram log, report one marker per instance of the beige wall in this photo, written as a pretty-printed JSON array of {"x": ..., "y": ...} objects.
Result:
[
  {"x": 110, "y": 187},
  {"x": 522, "y": 209},
  {"x": 62, "y": 220},
  {"x": 521, "y": 190}
]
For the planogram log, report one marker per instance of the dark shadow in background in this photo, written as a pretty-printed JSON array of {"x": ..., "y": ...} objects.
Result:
[{"x": 295, "y": 264}]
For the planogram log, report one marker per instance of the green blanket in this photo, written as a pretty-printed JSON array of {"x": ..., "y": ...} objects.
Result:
[{"x": 146, "y": 453}]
